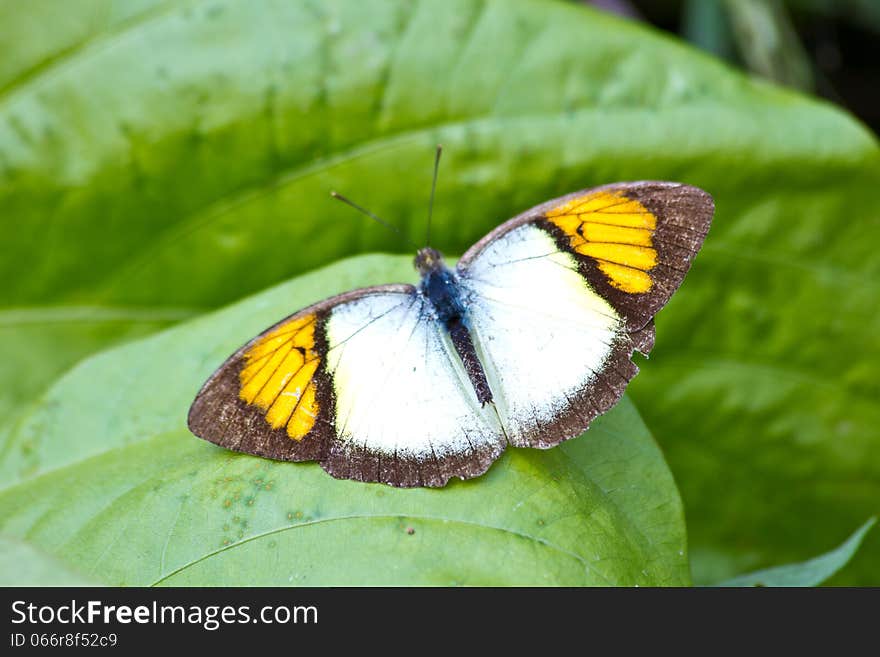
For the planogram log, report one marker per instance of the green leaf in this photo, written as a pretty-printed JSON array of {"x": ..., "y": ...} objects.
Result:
[
  {"x": 103, "y": 474},
  {"x": 808, "y": 573},
  {"x": 158, "y": 158},
  {"x": 26, "y": 566}
]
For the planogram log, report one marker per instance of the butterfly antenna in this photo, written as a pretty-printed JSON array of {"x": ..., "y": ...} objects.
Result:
[
  {"x": 389, "y": 226},
  {"x": 433, "y": 189}
]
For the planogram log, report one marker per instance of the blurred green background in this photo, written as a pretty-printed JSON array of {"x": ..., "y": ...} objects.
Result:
[
  {"x": 823, "y": 47},
  {"x": 162, "y": 159}
]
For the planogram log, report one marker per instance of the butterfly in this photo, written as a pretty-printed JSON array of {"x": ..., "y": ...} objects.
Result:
[{"x": 523, "y": 343}]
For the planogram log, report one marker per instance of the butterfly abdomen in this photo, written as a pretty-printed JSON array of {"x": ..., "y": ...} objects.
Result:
[{"x": 464, "y": 347}]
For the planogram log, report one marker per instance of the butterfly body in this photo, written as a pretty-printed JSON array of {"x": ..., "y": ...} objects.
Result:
[
  {"x": 441, "y": 287},
  {"x": 522, "y": 344}
]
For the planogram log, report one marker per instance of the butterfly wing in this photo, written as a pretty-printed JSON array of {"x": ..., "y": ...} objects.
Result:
[
  {"x": 365, "y": 383},
  {"x": 560, "y": 296}
]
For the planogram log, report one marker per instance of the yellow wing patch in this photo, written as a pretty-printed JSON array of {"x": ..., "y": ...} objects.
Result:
[
  {"x": 615, "y": 231},
  {"x": 277, "y": 376}
]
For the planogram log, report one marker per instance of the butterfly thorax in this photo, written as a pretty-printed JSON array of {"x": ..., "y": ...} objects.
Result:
[{"x": 440, "y": 285}]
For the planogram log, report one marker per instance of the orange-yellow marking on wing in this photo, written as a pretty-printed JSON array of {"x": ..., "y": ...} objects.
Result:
[
  {"x": 638, "y": 257},
  {"x": 616, "y": 231},
  {"x": 597, "y": 232},
  {"x": 304, "y": 416},
  {"x": 292, "y": 364},
  {"x": 277, "y": 376},
  {"x": 625, "y": 278},
  {"x": 280, "y": 335},
  {"x": 251, "y": 388},
  {"x": 290, "y": 400},
  {"x": 607, "y": 208}
]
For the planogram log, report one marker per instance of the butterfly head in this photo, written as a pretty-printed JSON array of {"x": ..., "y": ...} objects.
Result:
[{"x": 428, "y": 260}]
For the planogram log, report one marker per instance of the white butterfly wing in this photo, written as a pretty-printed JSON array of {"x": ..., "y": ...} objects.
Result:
[
  {"x": 405, "y": 412},
  {"x": 554, "y": 351}
]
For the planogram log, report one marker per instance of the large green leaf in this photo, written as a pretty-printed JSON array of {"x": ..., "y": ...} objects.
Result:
[
  {"x": 163, "y": 157},
  {"x": 105, "y": 476}
]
